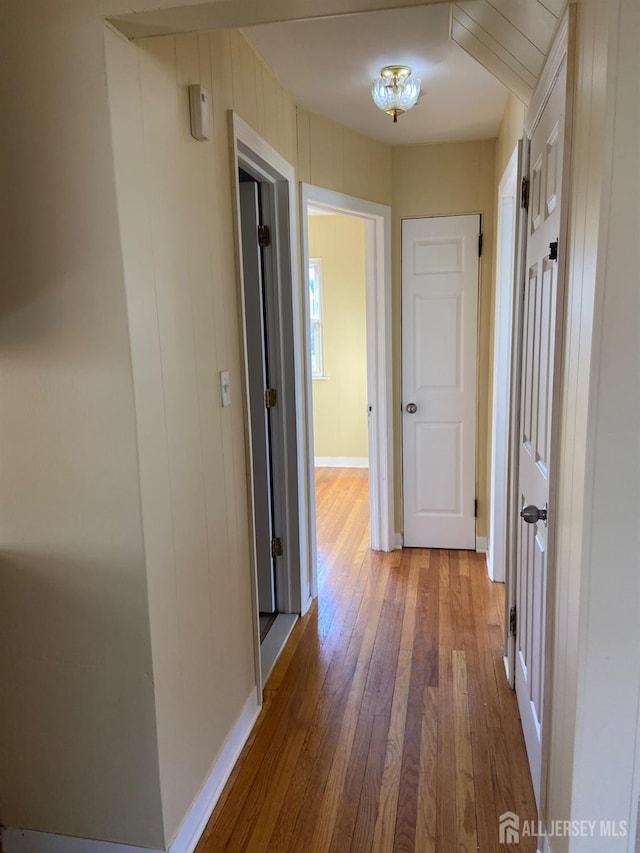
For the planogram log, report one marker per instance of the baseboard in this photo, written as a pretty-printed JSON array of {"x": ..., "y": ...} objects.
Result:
[
  {"x": 507, "y": 668},
  {"x": 397, "y": 541},
  {"x": 30, "y": 841},
  {"x": 482, "y": 544},
  {"x": 275, "y": 641},
  {"x": 341, "y": 462}
]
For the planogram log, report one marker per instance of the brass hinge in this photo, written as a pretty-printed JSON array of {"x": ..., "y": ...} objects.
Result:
[
  {"x": 524, "y": 194},
  {"x": 276, "y": 547},
  {"x": 479, "y": 245},
  {"x": 270, "y": 398},
  {"x": 513, "y": 621},
  {"x": 264, "y": 236}
]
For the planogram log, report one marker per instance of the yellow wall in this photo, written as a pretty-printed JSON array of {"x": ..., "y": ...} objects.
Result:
[
  {"x": 340, "y": 399},
  {"x": 437, "y": 180}
]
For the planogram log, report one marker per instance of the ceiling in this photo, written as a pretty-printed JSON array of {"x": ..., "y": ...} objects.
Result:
[{"x": 328, "y": 66}]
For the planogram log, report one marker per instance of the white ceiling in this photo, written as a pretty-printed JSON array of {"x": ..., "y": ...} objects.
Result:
[{"x": 328, "y": 66}]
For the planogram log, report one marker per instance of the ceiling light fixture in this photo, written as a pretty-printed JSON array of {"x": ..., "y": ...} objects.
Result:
[{"x": 395, "y": 91}]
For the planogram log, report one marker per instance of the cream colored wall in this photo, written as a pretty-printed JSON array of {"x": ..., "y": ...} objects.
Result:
[
  {"x": 176, "y": 219},
  {"x": 439, "y": 180},
  {"x": 339, "y": 159},
  {"x": 77, "y": 716},
  {"x": 340, "y": 400},
  {"x": 510, "y": 131}
]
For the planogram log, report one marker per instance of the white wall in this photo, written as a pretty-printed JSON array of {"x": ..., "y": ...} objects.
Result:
[
  {"x": 609, "y": 672},
  {"x": 596, "y": 637}
]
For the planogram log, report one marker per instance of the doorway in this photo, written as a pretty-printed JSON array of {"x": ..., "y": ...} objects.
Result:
[
  {"x": 376, "y": 220},
  {"x": 261, "y": 320},
  {"x": 277, "y": 462}
]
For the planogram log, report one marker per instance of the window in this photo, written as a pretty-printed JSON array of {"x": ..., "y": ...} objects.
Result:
[{"x": 315, "y": 317}]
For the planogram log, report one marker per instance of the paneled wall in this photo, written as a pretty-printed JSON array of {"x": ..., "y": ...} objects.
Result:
[
  {"x": 176, "y": 220},
  {"x": 339, "y": 159}
]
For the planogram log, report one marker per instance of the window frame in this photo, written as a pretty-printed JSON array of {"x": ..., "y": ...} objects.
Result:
[{"x": 316, "y": 321}]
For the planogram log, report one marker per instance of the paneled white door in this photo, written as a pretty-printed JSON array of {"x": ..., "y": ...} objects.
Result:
[
  {"x": 439, "y": 377},
  {"x": 540, "y": 312}
]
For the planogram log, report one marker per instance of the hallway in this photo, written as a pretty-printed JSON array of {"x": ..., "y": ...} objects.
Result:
[{"x": 387, "y": 723}]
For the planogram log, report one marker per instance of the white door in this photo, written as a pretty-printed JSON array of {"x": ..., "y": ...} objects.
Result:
[
  {"x": 439, "y": 368},
  {"x": 536, "y": 393}
]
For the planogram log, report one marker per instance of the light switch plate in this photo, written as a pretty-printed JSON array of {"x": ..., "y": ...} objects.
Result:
[{"x": 225, "y": 388}]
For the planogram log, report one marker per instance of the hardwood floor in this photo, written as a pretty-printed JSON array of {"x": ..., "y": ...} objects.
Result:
[{"x": 387, "y": 723}]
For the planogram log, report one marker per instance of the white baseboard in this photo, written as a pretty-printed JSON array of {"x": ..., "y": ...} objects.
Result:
[
  {"x": 482, "y": 544},
  {"x": 507, "y": 668},
  {"x": 29, "y": 841},
  {"x": 397, "y": 541},
  {"x": 275, "y": 641},
  {"x": 341, "y": 461}
]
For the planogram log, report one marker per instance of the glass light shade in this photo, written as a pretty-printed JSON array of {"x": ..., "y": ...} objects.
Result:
[{"x": 395, "y": 91}]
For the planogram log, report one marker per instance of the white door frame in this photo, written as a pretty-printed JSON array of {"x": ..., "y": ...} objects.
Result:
[
  {"x": 479, "y": 217},
  {"x": 256, "y": 156},
  {"x": 499, "y": 519},
  {"x": 377, "y": 218}
]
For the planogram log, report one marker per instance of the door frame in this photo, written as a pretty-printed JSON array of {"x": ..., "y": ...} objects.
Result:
[
  {"x": 480, "y": 544},
  {"x": 506, "y": 270},
  {"x": 253, "y": 154},
  {"x": 377, "y": 218},
  {"x": 561, "y": 51}
]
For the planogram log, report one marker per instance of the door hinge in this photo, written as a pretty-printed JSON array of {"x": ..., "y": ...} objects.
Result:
[
  {"x": 479, "y": 245},
  {"x": 524, "y": 194},
  {"x": 513, "y": 621},
  {"x": 264, "y": 236},
  {"x": 270, "y": 398},
  {"x": 553, "y": 251},
  {"x": 276, "y": 547},
  {"x": 475, "y": 508}
]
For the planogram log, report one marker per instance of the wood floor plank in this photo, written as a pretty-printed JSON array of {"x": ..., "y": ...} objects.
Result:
[
  {"x": 428, "y": 777},
  {"x": 384, "y": 831},
  {"x": 387, "y": 723},
  {"x": 465, "y": 788}
]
